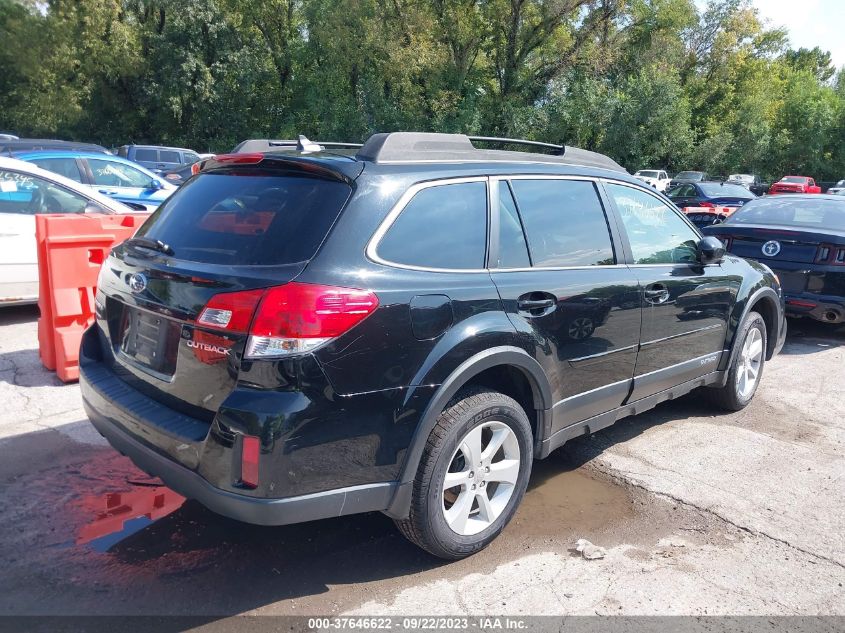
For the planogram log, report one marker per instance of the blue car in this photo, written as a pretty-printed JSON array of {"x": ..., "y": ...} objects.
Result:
[{"x": 116, "y": 177}]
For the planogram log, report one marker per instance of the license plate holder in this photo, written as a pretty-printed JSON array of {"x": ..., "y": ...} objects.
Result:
[{"x": 149, "y": 340}]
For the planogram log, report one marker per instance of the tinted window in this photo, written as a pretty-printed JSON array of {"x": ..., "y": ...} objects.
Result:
[
  {"x": 441, "y": 227},
  {"x": 658, "y": 235},
  {"x": 168, "y": 156},
  {"x": 689, "y": 175},
  {"x": 816, "y": 213},
  {"x": 256, "y": 219},
  {"x": 564, "y": 222},
  {"x": 113, "y": 174},
  {"x": 648, "y": 174},
  {"x": 147, "y": 155},
  {"x": 190, "y": 158},
  {"x": 66, "y": 167},
  {"x": 682, "y": 191},
  {"x": 24, "y": 194},
  {"x": 796, "y": 179},
  {"x": 716, "y": 190},
  {"x": 513, "y": 251}
]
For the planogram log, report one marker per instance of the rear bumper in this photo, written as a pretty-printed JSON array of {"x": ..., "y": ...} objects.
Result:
[
  {"x": 320, "y": 505},
  {"x": 821, "y": 308},
  {"x": 305, "y": 475}
]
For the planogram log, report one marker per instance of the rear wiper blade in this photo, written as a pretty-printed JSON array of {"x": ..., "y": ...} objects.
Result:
[{"x": 154, "y": 245}]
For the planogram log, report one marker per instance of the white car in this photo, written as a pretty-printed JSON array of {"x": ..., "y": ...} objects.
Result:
[
  {"x": 25, "y": 191},
  {"x": 838, "y": 188},
  {"x": 657, "y": 178}
]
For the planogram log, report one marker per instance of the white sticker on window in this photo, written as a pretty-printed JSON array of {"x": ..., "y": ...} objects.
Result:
[{"x": 8, "y": 186}]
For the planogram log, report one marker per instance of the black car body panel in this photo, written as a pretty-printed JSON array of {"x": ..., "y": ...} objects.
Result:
[{"x": 341, "y": 428}]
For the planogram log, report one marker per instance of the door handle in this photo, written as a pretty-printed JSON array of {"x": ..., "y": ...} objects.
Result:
[
  {"x": 656, "y": 294},
  {"x": 536, "y": 304}
]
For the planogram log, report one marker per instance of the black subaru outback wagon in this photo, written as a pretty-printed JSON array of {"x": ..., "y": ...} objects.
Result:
[{"x": 296, "y": 335}]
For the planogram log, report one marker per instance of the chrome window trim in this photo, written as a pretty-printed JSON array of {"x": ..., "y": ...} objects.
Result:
[{"x": 372, "y": 246}]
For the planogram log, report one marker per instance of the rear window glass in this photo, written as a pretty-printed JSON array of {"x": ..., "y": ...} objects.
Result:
[
  {"x": 716, "y": 190},
  {"x": 443, "y": 226},
  {"x": 824, "y": 214},
  {"x": 228, "y": 219},
  {"x": 149, "y": 155}
]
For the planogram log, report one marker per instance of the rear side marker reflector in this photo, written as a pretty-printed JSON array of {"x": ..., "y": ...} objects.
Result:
[
  {"x": 801, "y": 304},
  {"x": 250, "y": 449}
]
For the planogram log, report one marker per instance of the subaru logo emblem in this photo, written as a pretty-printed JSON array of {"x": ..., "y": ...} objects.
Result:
[
  {"x": 137, "y": 283},
  {"x": 771, "y": 248}
]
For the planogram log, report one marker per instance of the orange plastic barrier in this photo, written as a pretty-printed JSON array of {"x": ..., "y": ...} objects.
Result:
[{"x": 71, "y": 249}]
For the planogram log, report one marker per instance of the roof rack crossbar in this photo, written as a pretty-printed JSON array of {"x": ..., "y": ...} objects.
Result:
[{"x": 518, "y": 141}]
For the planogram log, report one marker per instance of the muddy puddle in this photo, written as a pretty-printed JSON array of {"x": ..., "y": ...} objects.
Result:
[{"x": 89, "y": 533}]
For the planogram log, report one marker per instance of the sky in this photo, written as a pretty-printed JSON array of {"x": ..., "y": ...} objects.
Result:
[{"x": 810, "y": 23}]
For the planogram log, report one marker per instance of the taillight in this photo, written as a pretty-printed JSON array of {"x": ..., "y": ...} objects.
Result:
[
  {"x": 231, "y": 311},
  {"x": 297, "y": 318},
  {"x": 195, "y": 168},
  {"x": 290, "y": 319},
  {"x": 831, "y": 254}
]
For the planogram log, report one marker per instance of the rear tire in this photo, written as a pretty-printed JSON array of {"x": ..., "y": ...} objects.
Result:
[
  {"x": 472, "y": 475},
  {"x": 746, "y": 369}
]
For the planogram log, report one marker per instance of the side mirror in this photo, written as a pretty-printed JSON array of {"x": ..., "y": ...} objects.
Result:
[
  {"x": 155, "y": 185},
  {"x": 711, "y": 250}
]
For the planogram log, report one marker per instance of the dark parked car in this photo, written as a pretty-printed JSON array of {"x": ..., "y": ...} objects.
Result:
[
  {"x": 299, "y": 335},
  {"x": 158, "y": 159},
  {"x": 710, "y": 195},
  {"x": 802, "y": 238},
  {"x": 683, "y": 177},
  {"x": 9, "y": 146},
  {"x": 752, "y": 182}
]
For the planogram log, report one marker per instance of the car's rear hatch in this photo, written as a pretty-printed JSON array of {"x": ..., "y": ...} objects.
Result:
[{"x": 230, "y": 230}]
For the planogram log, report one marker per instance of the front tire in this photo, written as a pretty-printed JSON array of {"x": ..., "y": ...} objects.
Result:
[
  {"x": 472, "y": 475},
  {"x": 746, "y": 370}
]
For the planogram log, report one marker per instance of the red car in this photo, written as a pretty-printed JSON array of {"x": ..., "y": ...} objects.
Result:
[{"x": 795, "y": 184}]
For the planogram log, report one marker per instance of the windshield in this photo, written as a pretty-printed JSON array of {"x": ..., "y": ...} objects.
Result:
[
  {"x": 820, "y": 213},
  {"x": 841, "y": 183},
  {"x": 689, "y": 175},
  {"x": 647, "y": 174},
  {"x": 741, "y": 178},
  {"x": 798, "y": 179},
  {"x": 718, "y": 190},
  {"x": 244, "y": 218}
]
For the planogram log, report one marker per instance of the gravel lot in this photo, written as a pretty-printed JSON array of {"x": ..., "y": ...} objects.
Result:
[{"x": 700, "y": 513}]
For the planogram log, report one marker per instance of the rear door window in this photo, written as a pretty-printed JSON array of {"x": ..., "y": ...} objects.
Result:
[
  {"x": 146, "y": 155},
  {"x": 66, "y": 167},
  {"x": 240, "y": 219},
  {"x": 168, "y": 156},
  {"x": 443, "y": 226},
  {"x": 565, "y": 223}
]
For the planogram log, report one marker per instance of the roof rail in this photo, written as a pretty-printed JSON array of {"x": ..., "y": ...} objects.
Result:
[
  {"x": 417, "y": 147},
  {"x": 300, "y": 144},
  {"x": 560, "y": 149}
]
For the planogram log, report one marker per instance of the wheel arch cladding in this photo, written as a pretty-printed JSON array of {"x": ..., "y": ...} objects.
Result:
[
  {"x": 763, "y": 300},
  {"x": 494, "y": 365}
]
